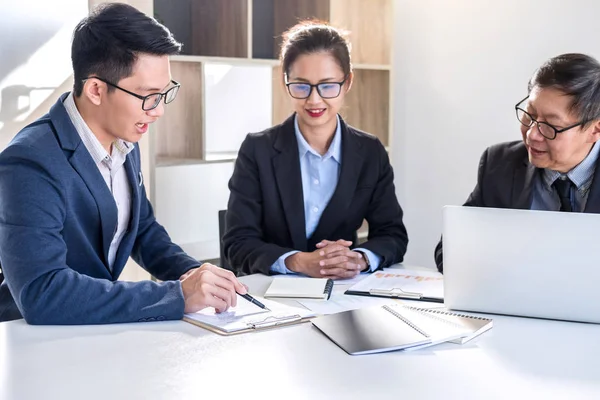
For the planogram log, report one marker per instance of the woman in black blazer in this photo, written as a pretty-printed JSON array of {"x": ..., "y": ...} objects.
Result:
[{"x": 300, "y": 190}]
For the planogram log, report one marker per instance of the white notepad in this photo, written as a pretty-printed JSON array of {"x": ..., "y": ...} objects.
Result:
[
  {"x": 300, "y": 287},
  {"x": 247, "y": 316}
]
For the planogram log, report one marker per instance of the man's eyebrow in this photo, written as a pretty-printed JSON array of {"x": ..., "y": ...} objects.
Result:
[
  {"x": 547, "y": 117},
  {"x": 152, "y": 89},
  {"x": 554, "y": 118},
  {"x": 552, "y": 115}
]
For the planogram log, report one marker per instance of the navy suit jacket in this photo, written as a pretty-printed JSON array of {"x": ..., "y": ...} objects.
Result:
[
  {"x": 505, "y": 180},
  {"x": 57, "y": 220},
  {"x": 265, "y": 214}
]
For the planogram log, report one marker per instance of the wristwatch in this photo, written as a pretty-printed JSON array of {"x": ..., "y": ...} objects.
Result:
[{"x": 367, "y": 262}]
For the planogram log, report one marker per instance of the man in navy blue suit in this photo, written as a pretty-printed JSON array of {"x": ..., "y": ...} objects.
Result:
[{"x": 73, "y": 206}]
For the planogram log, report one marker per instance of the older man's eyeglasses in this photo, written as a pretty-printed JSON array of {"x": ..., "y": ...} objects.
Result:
[{"x": 548, "y": 131}]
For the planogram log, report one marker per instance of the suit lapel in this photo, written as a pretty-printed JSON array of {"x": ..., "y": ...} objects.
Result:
[
  {"x": 592, "y": 204},
  {"x": 135, "y": 183},
  {"x": 522, "y": 190},
  {"x": 286, "y": 166},
  {"x": 82, "y": 162},
  {"x": 338, "y": 206}
]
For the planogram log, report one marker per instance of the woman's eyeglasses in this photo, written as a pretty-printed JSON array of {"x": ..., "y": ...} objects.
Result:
[{"x": 327, "y": 90}]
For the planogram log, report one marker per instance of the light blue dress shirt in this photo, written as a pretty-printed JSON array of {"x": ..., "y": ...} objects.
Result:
[
  {"x": 547, "y": 199},
  {"x": 320, "y": 174}
]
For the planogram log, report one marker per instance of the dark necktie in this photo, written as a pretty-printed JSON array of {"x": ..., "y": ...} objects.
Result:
[{"x": 563, "y": 188}]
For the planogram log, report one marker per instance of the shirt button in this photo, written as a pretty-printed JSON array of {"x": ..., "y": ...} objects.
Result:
[
  {"x": 315, "y": 209},
  {"x": 316, "y": 181}
]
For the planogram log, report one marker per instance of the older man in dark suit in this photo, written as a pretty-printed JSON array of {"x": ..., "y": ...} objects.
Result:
[{"x": 554, "y": 166}]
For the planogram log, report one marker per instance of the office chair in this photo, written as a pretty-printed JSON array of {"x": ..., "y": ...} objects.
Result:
[
  {"x": 224, "y": 263},
  {"x": 1, "y": 275}
]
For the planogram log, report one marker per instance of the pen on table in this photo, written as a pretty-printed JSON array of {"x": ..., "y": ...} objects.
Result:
[{"x": 253, "y": 300}]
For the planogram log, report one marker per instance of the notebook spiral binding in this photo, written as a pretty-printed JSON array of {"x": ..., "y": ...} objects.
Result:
[
  {"x": 429, "y": 314},
  {"x": 433, "y": 311},
  {"x": 328, "y": 288},
  {"x": 406, "y": 321}
]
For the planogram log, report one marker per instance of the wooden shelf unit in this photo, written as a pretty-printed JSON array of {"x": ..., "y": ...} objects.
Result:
[{"x": 248, "y": 32}]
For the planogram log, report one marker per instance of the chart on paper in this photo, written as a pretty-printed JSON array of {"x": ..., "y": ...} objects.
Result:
[{"x": 427, "y": 283}]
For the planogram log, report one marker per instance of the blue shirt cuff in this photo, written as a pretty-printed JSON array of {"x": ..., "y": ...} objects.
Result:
[
  {"x": 374, "y": 259},
  {"x": 279, "y": 266}
]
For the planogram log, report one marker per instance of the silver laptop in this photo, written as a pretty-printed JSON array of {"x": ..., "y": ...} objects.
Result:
[{"x": 519, "y": 262}]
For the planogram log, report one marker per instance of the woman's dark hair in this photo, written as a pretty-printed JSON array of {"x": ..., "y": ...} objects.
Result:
[
  {"x": 108, "y": 41},
  {"x": 315, "y": 36},
  {"x": 575, "y": 75}
]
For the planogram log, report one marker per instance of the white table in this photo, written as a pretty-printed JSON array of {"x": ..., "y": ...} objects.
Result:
[{"x": 518, "y": 358}]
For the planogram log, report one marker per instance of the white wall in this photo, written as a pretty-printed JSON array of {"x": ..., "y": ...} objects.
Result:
[
  {"x": 253, "y": 105},
  {"x": 459, "y": 68},
  {"x": 35, "y": 58},
  {"x": 187, "y": 201}
]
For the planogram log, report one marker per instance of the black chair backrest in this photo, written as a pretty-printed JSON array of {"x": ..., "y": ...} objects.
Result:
[
  {"x": 224, "y": 263},
  {"x": 1, "y": 275}
]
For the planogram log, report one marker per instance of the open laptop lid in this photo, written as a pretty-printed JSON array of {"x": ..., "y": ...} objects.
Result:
[{"x": 520, "y": 262}]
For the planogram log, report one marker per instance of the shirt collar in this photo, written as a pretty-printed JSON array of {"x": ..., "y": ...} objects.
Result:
[
  {"x": 91, "y": 142},
  {"x": 335, "y": 148},
  {"x": 581, "y": 175}
]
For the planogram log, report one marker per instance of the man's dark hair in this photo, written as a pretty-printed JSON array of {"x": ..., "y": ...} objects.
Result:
[
  {"x": 575, "y": 75},
  {"x": 107, "y": 42}
]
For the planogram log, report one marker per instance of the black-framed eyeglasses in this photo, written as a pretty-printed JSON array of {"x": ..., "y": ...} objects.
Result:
[
  {"x": 151, "y": 101},
  {"x": 548, "y": 131},
  {"x": 327, "y": 90}
]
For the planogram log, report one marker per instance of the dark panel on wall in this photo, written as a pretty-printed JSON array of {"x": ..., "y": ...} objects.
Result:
[
  {"x": 176, "y": 15},
  {"x": 263, "y": 29}
]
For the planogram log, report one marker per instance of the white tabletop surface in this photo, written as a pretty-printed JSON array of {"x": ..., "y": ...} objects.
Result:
[{"x": 519, "y": 358}]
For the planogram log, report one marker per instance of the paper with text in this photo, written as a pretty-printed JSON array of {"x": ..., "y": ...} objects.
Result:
[
  {"x": 341, "y": 302},
  {"x": 248, "y": 315}
]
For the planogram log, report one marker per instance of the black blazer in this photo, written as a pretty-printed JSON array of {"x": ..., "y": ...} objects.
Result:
[
  {"x": 505, "y": 180},
  {"x": 265, "y": 214}
]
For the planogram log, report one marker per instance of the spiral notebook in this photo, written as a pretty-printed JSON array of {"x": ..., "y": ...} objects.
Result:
[
  {"x": 300, "y": 288},
  {"x": 475, "y": 325},
  {"x": 386, "y": 328},
  {"x": 248, "y": 317}
]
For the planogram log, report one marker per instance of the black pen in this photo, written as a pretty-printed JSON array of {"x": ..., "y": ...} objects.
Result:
[{"x": 253, "y": 300}]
